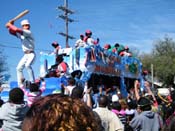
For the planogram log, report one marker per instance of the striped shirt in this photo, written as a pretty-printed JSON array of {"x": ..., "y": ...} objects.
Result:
[{"x": 33, "y": 96}]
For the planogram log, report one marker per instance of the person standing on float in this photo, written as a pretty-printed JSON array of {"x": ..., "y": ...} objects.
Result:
[{"x": 27, "y": 41}]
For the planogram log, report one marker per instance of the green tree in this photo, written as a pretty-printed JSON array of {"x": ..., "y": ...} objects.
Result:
[
  {"x": 147, "y": 60},
  {"x": 163, "y": 59},
  {"x": 4, "y": 75}
]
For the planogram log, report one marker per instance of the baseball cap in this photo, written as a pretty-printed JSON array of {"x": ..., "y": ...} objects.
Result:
[
  {"x": 107, "y": 46},
  {"x": 143, "y": 101},
  {"x": 25, "y": 22},
  {"x": 115, "y": 98}
]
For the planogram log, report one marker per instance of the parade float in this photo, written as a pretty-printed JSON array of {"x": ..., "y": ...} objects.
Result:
[{"x": 94, "y": 62}]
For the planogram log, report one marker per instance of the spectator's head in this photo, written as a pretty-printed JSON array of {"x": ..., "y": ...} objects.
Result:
[
  {"x": 116, "y": 106},
  {"x": 60, "y": 113},
  {"x": 145, "y": 72},
  {"x": 144, "y": 104},
  {"x": 123, "y": 103},
  {"x": 34, "y": 87},
  {"x": 132, "y": 104},
  {"x": 150, "y": 97},
  {"x": 77, "y": 92},
  {"x": 71, "y": 81},
  {"x": 16, "y": 95},
  {"x": 103, "y": 101}
]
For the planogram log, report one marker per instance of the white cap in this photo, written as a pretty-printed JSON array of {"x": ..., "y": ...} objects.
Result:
[
  {"x": 115, "y": 98},
  {"x": 25, "y": 22}
]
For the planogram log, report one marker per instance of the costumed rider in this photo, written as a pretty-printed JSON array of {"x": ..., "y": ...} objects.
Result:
[
  {"x": 91, "y": 43},
  {"x": 88, "y": 38},
  {"x": 57, "y": 47},
  {"x": 62, "y": 68},
  {"x": 28, "y": 46},
  {"x": 59, "y": 69},
  {"x": 78, "y": 44},
  {"x": 62, "y": 71}
]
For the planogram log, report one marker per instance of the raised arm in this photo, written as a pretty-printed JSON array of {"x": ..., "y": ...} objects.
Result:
[{"x": 136, "y": 89}]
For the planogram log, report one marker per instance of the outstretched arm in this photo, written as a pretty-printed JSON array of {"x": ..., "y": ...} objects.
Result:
[
  {"x": 89, "y": 100},
  {"x": 147, "y": 86},
  {"x": 136, "y": 89}
]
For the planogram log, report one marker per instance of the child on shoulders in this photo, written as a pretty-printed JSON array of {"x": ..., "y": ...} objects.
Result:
[{"x": 34, "y": 91}]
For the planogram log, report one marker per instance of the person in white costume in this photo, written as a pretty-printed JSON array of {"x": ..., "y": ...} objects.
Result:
[{"x": 28, "y": 46}]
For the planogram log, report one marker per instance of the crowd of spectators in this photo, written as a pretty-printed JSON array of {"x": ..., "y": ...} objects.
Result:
[{"x": 74, "y": 108}]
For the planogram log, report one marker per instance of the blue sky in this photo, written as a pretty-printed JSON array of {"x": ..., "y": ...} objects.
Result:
[{"x": 136, "y": 23}]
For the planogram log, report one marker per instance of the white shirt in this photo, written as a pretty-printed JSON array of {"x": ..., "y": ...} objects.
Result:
[
  {"x": 110, "y": 120},
  {"x": 90, "y": 41},
  {"x": 27, "y": 40},
  {"x": 70, "y": 88},
  {"x": 80, "y": 43}
]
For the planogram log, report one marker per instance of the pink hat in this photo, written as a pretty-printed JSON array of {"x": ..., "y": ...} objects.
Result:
[
  {"x": 106, "y": 46},
  {"x": 88, "y": 32}
]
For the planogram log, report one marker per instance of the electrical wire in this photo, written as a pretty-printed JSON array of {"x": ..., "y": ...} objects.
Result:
[{"x": 15, "y": 47}]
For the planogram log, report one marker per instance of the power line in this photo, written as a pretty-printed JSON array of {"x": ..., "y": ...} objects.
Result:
[{"x": 16, "y": 47}]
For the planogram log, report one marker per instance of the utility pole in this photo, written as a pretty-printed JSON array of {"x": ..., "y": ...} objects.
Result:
[
  {"x": 152, "y": 75},
  {"x": 67, "y": 20}
]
